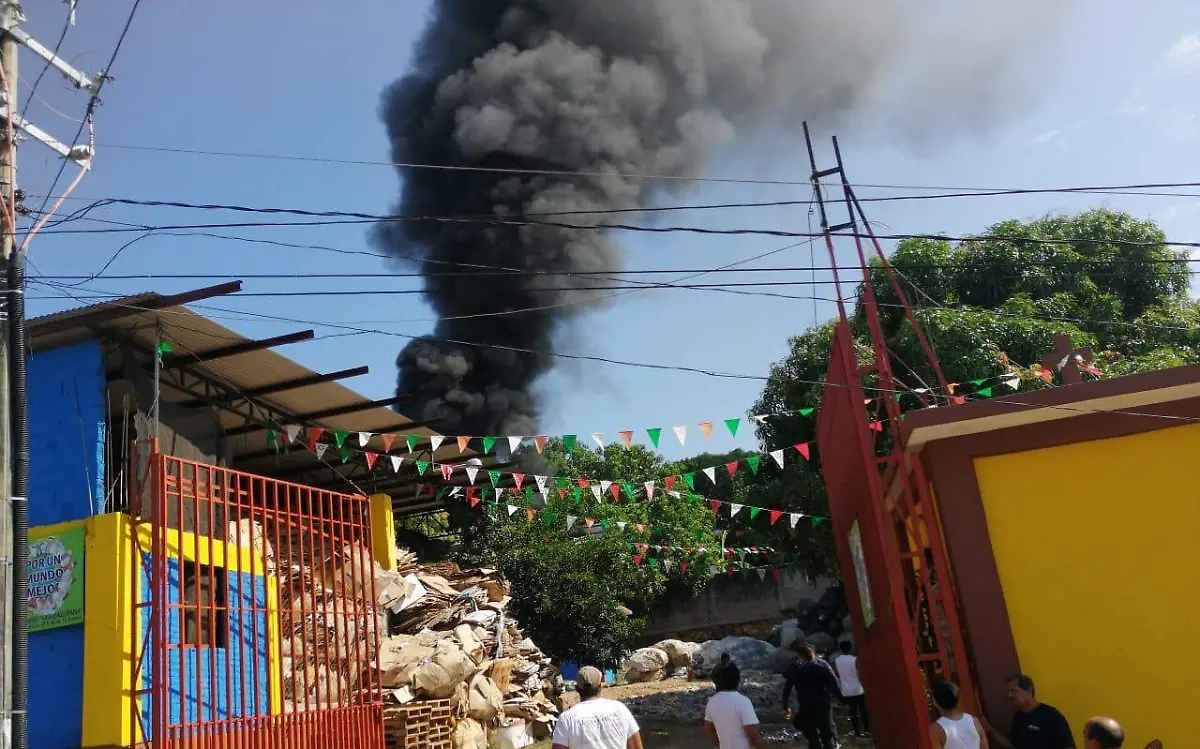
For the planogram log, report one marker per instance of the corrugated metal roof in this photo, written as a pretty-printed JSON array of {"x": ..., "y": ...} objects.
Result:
[{"x": 137, "y": 320}]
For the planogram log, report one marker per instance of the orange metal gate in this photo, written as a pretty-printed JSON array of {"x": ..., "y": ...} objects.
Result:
[{"x": 254, "y": 617}]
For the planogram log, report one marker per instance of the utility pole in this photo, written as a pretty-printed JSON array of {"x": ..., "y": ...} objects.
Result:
[{"x": 14, "y": 403}]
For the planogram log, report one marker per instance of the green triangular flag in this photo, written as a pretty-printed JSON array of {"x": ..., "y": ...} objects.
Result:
[
  {"x": 494, "y": 476},
  {"x": 817, "y": 521},
  {"x": 569, "y": 443},
  {"x": 484, "y": 492},
  {"x": 422, "y": 467},
  {"x": 690, "y": 478},
  {"x": 651, "y": 562},
  {"x": 529, "y": 494},
  {"x": 560, "y": 482},
  {"x": 699, "y": 535},
  {"x": 754, "y": 512},
  {"x": 576, "y": 492},
  {"x": 604, "y": 525},
  {"x": 630, "y": 490},
  {"x": 978, "y": 382},
  {"x": 488, "y": 444},
  {"x": 550, "y": 516},
  {"x": 985, "y": 393},
  {"x": 753, "y": 461},
  {"x": 272, "y": 439},
  {"x": 164, "y": 347},
  {"x": 412, "y": 440},
  {"x": 806, "y": 411},
  {"x": 654, "y": 434},
  {"x": 340, "y": 437},
  {"x": 345, "y": 454},
  {"x": 732, "y": 425}
]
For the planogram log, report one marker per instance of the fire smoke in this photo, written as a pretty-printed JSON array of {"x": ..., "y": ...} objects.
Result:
[{"x": 626, "y": 87}]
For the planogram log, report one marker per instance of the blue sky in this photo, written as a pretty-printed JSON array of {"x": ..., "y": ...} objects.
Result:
[{"x": 1114, "y": 104}]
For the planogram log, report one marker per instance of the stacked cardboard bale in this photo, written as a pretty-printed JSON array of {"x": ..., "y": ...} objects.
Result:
[{"x": 448, "y": 637}]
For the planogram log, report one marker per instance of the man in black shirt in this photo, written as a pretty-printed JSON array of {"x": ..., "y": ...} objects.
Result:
[
  {"x": 1036, "y": 725},
  {"x": 816, "y": 689}
]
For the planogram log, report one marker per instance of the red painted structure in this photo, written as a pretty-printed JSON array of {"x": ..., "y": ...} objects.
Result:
[
  {"x": 211, "y": 634},
  {"x": 890, "y": 546}
]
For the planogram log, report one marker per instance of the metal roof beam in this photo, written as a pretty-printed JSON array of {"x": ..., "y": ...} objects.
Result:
[
  {"x": 353, "y": 408},
  {"x": 242, "y": 347},
  {"x": 116, "y": 310},
  {"x": 284, "y": 386}
]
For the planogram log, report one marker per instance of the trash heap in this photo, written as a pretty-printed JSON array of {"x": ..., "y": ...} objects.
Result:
[{"x": 447, "y": 636}]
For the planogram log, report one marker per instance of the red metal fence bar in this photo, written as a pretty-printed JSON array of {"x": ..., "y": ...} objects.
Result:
[{"x": 256, "y": 602}]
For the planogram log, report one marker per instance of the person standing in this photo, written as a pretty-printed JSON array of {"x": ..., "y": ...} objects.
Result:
[
  {"x": 596, "y": 722},
  {"x": 729, "y": 718},
  {"x": 1103, "y": 733},
  {"x": 846, "y": 665},
  {"x": 816, "y": 688},
  {"x": 1035, "y": 725},
  {"x": 955, "y": 729}
]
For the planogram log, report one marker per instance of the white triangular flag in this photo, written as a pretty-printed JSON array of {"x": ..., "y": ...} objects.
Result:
[
  {"x": 920, "y": 391},
  {"x": 514, "y": 443},
  {"x": 541, "y": 483},
  {"x": 364, "y": 438},
  {"x": 762, "y": 574},
  {"x": 598, "y": 438},
  {"x": 1013, "y": 382},
  {"x": 777, "y": 456},
  {"x": 668, "y": 564},
  {"x": 734, "y": 509},
  {"x": 599, "y": 495},
  {"x": 714, "y": 571},
  {"x": 712, "y": 475},
  {"x": 702, "y": 551},
  {"x": 435, "y": 441},
  {"x": 321, "y": 447},
  {"x": 456, "y": 491},
  {"x": 472, "y": 472},
  {"x": 794, "y": 517},
  {"x": 512, "y": 508},
  {"x": 396, "y": 461},
  {"x": 621, "y": 524},
  {"x": 499, "y": 492},
  {"x": 760, "y": 418},
  {"x": 675, "y": 494},
  {"x": 649, "y": 490},
  {"x": 680, "y": 433},
  {"x": 604, "y": 486},
  {"x": 571, "y": 521},
  {"x": 292, "y": 431}
]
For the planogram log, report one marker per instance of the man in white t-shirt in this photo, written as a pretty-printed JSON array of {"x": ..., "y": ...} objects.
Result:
[
  {"x": 729, "y": 718},
  {"x": 853, "y": 694},
  {"x": 596, "y": 722}
]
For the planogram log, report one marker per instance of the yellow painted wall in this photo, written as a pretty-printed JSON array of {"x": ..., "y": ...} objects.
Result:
[
  {"x": 383, "y": 531},
  {"x": 1098, "y": 548},
  {"x": 110, "y": 632}
]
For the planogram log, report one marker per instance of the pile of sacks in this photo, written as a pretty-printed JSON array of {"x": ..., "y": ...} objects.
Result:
[
  {"x": 671, "y": 659},
  {"x": 448, "y": 637}
]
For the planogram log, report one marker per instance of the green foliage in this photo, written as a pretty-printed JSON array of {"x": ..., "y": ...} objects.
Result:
[
  {"x": 568, "y": 584},
  {"x": 991, "y": 307}
]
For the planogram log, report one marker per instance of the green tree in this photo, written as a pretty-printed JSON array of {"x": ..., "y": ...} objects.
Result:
[
  {"x": 992, "y": 307},
  {"x": 571, "y": 582}
]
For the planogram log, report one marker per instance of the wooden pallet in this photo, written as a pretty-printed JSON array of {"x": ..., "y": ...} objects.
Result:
[{"x": 419, "y": 725}]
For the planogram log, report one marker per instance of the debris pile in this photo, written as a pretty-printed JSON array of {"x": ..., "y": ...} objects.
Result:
[
  {"x": 447, "y": 636},
  {"x": 671, "y": 659}
]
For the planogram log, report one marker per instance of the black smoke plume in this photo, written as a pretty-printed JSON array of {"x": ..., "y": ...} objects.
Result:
[{"x": 605, "y": 88}]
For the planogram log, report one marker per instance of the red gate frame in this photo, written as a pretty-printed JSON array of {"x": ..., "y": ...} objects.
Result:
[{"x": 166, "y": 492}]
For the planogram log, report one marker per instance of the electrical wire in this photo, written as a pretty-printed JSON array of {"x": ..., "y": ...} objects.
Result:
[{"x": 45, "y": 68}]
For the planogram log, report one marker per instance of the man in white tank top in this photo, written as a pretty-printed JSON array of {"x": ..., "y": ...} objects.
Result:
[{"x": 955, "y": 729}]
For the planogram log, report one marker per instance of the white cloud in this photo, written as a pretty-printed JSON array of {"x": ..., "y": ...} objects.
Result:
[
  {"x": 1042, "y": 139},
  {"x": 1133, "y": 104},
  {"x": 1184, "y": 54},
  {"x": 1057, "y": 135}
]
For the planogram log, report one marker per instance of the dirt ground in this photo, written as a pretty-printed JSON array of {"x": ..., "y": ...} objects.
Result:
[{"x": 686, "y": 733}]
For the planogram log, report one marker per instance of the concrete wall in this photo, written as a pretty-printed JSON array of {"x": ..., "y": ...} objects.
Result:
[
  {"x": 726, "y": 603},
  {"x": 1095, "y": 543},
  {"x": 66, "y": 434}
]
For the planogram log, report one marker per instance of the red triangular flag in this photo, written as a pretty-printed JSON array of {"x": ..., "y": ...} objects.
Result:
[
  {"x": 470, "y": 492},
  {"x": 729, "y": 571},
  {"x": 388, "y": 439},
  {"x": 669, "y": 482},
  {"x": 876, "y": 426},
  {"x": 683, "y": 567},
  {"x": 562, "y": 493},
  {"x": 529, "y": 513},
  {"x": 371, "y": 457},
  {"x": 775, "y": 573},
  {"x": 583, "y": 483},
  {"x": 314, "y": 436},
  {"x": 715, "y": 504},
  {"x": 447, "y": 470},
  {"x": 637, "y": 560},
  {"x": 589, "y": 523},
  {"x": 474, "y": 501},
  {"x": 732, "y": 467},
  {"x": 615, "y": 491},
  {"x": 640, "y": 528},
  {"x": 802, "y": 448},
  {"x": 518, "y": 478},
  {"x": 540, "y": 442},
  {"x": 775, "y": 515},
  {"x": 959, "y": 400},
  {"x": 463, "y": 442},
  {"x": 626, "y": 437}
]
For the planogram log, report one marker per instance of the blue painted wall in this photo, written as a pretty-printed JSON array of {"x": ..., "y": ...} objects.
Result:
[
  {"x": 66, "y": 482},
  {"x": 66, "y": 436},
  {"x": 209, "y": 693}
]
